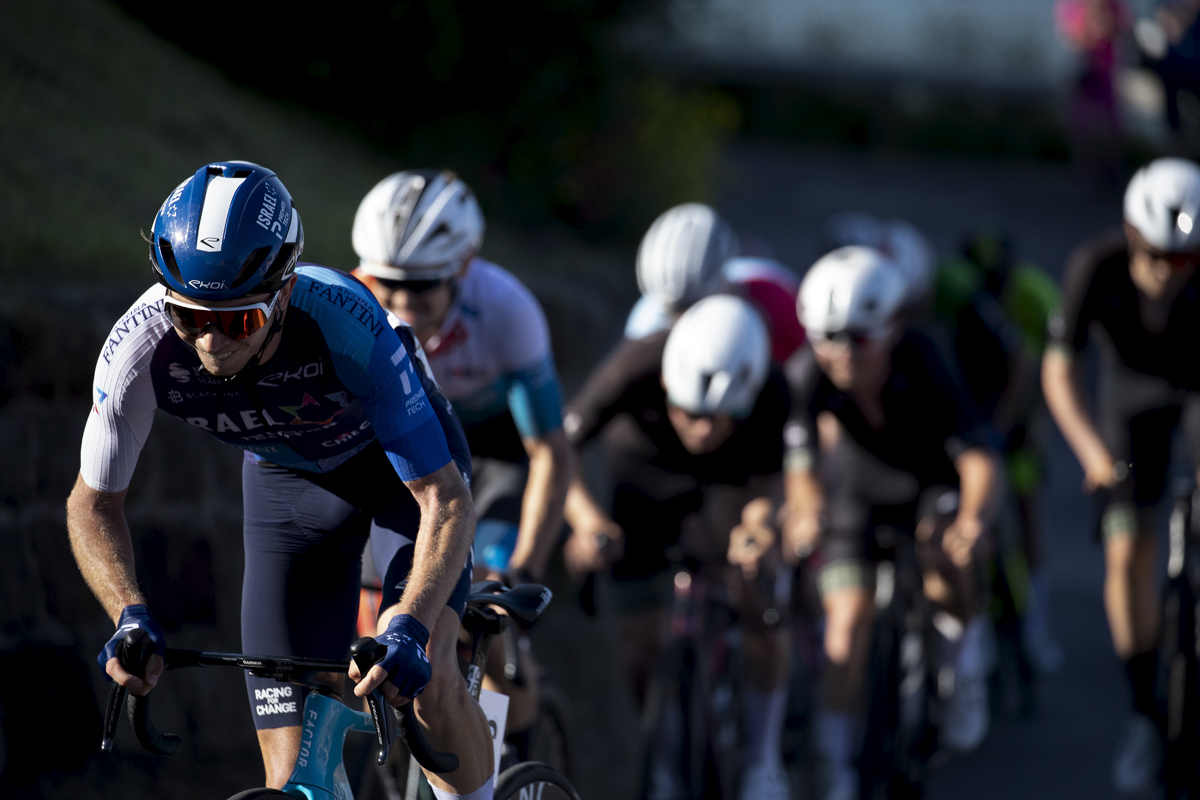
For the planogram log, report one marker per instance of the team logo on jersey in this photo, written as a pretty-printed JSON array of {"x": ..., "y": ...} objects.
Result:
[
  {"x": 179, "y": 372},
  {"x": 175, "y": 396},
  {"x": 310, "y": 411},
  {"x": 101, "y": 396},
  {"x": 132, "y": 320}
]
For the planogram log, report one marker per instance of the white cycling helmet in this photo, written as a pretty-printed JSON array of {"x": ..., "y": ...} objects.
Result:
[
  {"x": 417, "y": 225},
  {"x": 915, "y": 257},
  {"x": 717, "y": 357},
  {"x": 682, "y": 253},
  {"x": 852, "y": 289},
  {"x": 906, "y": 246},
  {"x": 1163, "y": 202}
]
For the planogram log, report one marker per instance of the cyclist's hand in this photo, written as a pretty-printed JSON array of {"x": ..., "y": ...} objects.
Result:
[
  {"x": 1103, "y": 472},
  {"x": 404, "y": 671},
  {"x": 132, "y": 618},
  {"x": 593, "y": 547},
  {"x": 802, "y": 531},
  {"x": 965, "y": 540},
  {"x": 751, "y": 541}
]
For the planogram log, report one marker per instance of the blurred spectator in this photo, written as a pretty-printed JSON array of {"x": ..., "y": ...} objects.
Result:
[
  {"x": 1092, "y": 29},
  {"x": 1170, "y": 40}
]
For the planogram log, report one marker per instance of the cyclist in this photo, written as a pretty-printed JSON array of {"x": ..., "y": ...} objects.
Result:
[
  {"x": 900, "y": 448},
  {"x": 1137, "y": 290},
  {"x": 678, "y": 262},
  {"x": 295, "y": 365},
  {"x": 417, "y": 234},
  {"x": 998, "y": 308},
  {"x": 691, "y": 418}
]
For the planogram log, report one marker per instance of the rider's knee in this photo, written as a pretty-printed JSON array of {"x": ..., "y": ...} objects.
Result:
[{"x": 848, "y": 598}]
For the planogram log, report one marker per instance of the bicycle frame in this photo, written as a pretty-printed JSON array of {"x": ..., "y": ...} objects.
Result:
[{"x": 319, "y": 773}]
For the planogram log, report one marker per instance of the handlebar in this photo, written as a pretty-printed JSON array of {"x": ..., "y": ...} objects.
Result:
[
  {"x": 366, "y": 652},
  {"x": 135, "y": 651}
]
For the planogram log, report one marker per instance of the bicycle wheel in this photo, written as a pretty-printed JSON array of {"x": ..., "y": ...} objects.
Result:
[
  {"x": 550, "y": 738},
  {"x": 531, "y": 779}
]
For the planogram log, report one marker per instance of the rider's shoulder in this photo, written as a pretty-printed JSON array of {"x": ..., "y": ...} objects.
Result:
[
  {"x": 331, "y": 296},
  {"x": 141, "y": 326},
  {"x": 1097, "y": 257},
  {"x": 486, "y": 283}
]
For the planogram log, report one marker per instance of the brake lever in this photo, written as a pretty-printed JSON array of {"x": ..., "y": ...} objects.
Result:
[
  {"x": 132, "y": 654},
  {"x": 365, "y": 653}
]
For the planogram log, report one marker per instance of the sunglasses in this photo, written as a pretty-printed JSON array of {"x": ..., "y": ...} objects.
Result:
[
  {"x": 847, "y": 339},
  {"x": 413, "y": 287},
  {"x": 236, "y": 322},
  {"x": 1177, "y": 261}
]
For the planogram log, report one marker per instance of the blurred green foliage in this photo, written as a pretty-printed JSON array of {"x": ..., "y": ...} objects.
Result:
[{"x": 528, "y": 101}]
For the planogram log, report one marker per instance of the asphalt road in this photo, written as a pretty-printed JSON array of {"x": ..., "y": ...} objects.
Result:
[{"x": 782, "y": 196}]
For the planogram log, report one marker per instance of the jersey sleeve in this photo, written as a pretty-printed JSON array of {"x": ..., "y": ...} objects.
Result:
[
  {"x": 950, "y": 407},
  {"x": 123, "y": 400},
  {"x": 800, "y": 431},
  {"x": 1068, "y": 325},
  {"x": 373, "y": 363},
  {"x": 610, "y": 387},
  {"x": 527, "y": 362}
]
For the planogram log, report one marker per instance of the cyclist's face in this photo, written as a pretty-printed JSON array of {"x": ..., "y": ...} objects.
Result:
[
  {"x": 1157, "y": 275},
  {"x": 700, "y": 435},
  {"x": 855, "y": 363},
  {"x": 219, "y": 354},
  {"x": 424, "y": 307}
]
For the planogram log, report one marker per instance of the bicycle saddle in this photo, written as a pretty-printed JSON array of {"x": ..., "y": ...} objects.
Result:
[{"x": 524, "y": 602}]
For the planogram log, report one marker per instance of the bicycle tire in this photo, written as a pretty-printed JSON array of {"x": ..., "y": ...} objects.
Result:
[
  {"x": 531, "y": 779},
  {"x": 552, "y": 735},
  {"x": 262, "y": 794},
  {"x": 1177, "y": 655}
]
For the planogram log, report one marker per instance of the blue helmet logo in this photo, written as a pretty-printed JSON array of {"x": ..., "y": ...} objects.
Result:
[{"x": 229, "y": 230}]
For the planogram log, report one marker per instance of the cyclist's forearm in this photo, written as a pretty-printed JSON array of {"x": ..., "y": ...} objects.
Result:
[
  {"x": 1060, "y": 386},
  {"x": 443, "y": 541},
  {"x": 979, "y": 484},
  {"x": 102, "y": 546},
  {"x": 550, "y": 467},
  {"x": 580, "y": 508}
]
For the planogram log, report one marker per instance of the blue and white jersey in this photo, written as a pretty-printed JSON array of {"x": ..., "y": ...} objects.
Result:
[
  {"x": 340, "y": 379},
  {"x": 492, "y": 358}
]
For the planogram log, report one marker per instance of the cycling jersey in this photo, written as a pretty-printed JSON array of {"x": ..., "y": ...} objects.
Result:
[
  {"x": 656, "y": 481},
  {"x": 340, "y": 379},
  {"x": 1099, "y": 295},
  {"x": 768, "y": 284},
  {"x": 492, "y": 358},
  {"x": 1145, "y": 377},
  {"x": 877, "y": 476}
]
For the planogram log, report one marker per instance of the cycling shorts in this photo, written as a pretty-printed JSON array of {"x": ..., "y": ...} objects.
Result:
[
  {"x": 1137, "y": 417},
  {"x": 304, "y": 536}
]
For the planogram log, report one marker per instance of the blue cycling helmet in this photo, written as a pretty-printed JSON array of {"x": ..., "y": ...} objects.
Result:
[{"x": 229, "y": 230}]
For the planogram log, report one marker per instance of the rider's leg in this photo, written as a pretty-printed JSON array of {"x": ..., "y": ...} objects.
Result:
[
  {"x": 766, "y": 669},
  {"x": 849, "y": 602},
  {"x": 522, "y": 700},
  {"x": 453, "y": 719},
  {"x": 299, "y": 596},
  {"x": 1131, "y": 603}
]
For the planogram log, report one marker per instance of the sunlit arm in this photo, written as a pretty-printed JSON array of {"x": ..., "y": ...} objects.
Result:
[{"x": 550, "y": 467}]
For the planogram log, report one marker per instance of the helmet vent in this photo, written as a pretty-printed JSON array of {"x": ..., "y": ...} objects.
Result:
[
  {"x": 168, "y": 257},
  {"x": 250, "y": 268},
  {"x": 243, "y": 173}
]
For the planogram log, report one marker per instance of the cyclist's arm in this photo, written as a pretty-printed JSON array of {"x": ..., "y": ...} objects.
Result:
[
  {"x": 596, "y": 540},
  {"x": 801, "y": 513},
  {"x": 550, "y": 465},
  {"x": 443, "y": 542},
  {"x": 102, "y": 546},
  {"x": 1061, "y": 386},
  {"x": 804, "y": 495}
]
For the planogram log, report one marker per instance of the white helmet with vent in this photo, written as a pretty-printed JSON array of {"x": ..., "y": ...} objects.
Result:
[
  {"x": 420, "y": 224},
  {"x": 853, "y": 290},
  {"x": 1163, "y": 202},
  {"x": 717, "y": 357},
  {"x": 681, "y": 254},
  {"x": 901, "y": 241}
]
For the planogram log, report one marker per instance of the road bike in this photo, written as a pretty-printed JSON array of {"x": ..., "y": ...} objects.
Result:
[
  {"x": 320, "y": 772},
  {"x": 1178, "y": 675}
]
